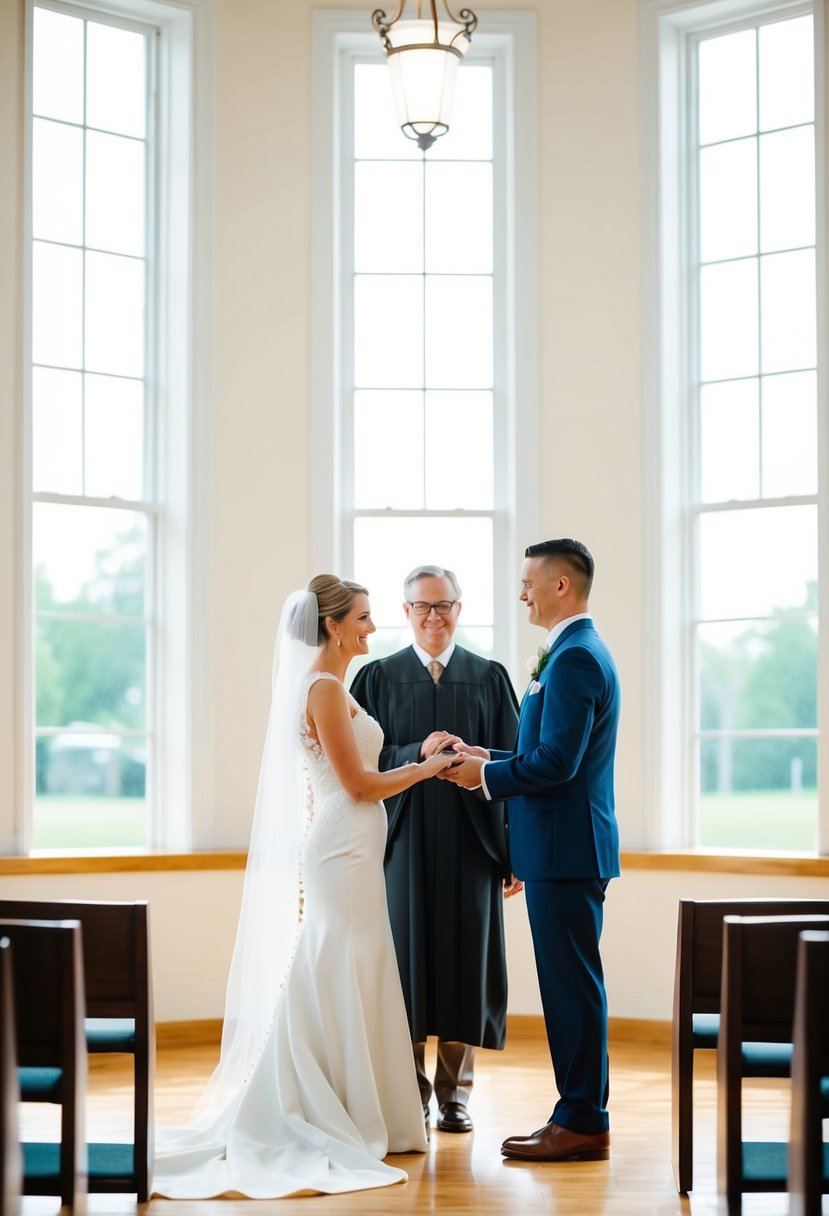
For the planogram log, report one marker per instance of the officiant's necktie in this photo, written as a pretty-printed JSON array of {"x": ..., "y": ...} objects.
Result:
[{"x": 435, "y": 670}]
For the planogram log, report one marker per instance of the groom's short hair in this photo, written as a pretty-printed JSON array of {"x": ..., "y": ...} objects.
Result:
[{"x": 573, "y": 553}]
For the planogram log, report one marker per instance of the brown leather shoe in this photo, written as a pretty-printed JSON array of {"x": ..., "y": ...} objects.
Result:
[{"x": 556, "y": 1143}]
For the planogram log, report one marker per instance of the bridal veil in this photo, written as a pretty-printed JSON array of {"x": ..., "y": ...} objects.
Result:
[{"x": 270, "y": 911}]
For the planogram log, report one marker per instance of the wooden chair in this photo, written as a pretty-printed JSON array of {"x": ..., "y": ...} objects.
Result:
[
  {"x": 808, "y": 1155},
  {"x": 51, "y": 1051},
  {"x": 119, "y": 1008},
  {"x": 11, "y": 1157},
  {"x": 758, "y": 990},
  {"x": 696, "y": 1011}
]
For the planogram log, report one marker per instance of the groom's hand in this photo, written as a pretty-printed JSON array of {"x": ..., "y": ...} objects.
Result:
[
  {"x": 468, "y": 750},
  {"x": 467, "y": 774},
  {"x": 512, "y": 886}
]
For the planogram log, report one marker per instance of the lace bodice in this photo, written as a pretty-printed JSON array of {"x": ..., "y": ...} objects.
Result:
[{"x": 368, "y": 735}]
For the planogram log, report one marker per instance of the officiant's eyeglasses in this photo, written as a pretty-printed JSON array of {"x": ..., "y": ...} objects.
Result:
[{"x": 442, "y": 607}]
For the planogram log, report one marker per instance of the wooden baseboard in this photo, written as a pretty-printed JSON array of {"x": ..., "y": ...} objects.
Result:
[
  {"x": 520, "y": 1026},
  {"x": 640, "y": 1030},
  {"x": 527, "y": 1026},
  {"x": 174, "y": 1035}
]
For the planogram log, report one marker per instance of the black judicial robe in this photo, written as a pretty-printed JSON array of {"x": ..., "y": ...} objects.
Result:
[{"x": 446, "y": 855}]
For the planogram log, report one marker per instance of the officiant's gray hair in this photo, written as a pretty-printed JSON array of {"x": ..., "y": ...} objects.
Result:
[{"x": 431, "y": 572}]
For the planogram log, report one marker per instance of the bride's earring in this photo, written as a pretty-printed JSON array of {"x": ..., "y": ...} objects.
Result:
[{"x": 339, "y": 640}]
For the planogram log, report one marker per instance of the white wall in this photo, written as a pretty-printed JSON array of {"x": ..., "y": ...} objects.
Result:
[
  {"x": 193, "y": 918},
  {"x": 193, "y": 923}
]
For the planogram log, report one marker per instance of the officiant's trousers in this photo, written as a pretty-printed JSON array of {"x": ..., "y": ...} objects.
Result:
[{"x": 453, "y": 1072}]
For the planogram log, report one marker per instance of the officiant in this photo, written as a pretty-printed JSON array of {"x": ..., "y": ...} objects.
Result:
[{"x": 447, "y": 862}]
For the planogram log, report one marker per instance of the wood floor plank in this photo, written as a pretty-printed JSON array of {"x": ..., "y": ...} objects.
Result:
[{"x": 466, "y": 1174}]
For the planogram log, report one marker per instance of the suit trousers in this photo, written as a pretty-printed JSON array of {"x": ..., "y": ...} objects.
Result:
[
  {"x": 566, "y": 924},
  {"x": 453, "y": 1072}
]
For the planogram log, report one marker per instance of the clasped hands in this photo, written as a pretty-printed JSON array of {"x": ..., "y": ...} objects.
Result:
[{"x": 466, "y": 773}]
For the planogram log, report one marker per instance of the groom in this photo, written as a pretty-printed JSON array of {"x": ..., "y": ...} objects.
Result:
[{"x": 563, "y": 839}]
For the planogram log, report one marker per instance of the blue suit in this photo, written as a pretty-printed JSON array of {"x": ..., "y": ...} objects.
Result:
[{"x": 564, "y": 844}]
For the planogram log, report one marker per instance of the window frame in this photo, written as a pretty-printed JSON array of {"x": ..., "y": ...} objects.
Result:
[
  {"x": 146, "y": 505},
  {"x": 668, "y": 29},
  {"x": 179, "y": 785},
  {"x": 340, "y": 39}
]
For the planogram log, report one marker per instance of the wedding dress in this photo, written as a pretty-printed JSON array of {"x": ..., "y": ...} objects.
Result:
[{"x": 333, "y": 1089}]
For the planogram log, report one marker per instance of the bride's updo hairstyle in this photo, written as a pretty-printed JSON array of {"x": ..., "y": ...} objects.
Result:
[{"x": 334, "y": 599}]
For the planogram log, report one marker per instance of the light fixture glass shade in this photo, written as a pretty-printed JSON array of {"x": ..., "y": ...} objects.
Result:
[
  {"x": 423, "y": 58},
  {"x": 423, "y": 84}
]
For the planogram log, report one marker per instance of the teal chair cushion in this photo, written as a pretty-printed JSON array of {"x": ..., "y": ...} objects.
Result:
[
  {"x": 765, "y": 1162},
  {"x": 42, "y": 1161},
  {"x": 759, "y": 1059},
  {"x": 110, "y": 1035},
  {"x": 111, "y": 1161},
  {"x": 39, "y": 1084},
  {"x": 767, "y": 1059},
  {"x": 705, "y": 1028}
]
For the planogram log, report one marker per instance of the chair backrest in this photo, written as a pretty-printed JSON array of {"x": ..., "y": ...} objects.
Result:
[
  {"x": 811, "y": 1016},
  {"x": 759, "y": 956},
  {"x": 48, "y": 991},
  {"x": 700, "y": 942},
  {"x": 49, "y": 1018},
  {"x": 758, "y": 976},
  {"x": 11, "y": 1162},
  {"x": 116, "y": 951},
  {"x": 810, "y": 1067}
]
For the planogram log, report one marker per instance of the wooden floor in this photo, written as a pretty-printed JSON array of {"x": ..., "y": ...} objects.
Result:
[{"x": 466, "y": 1173}]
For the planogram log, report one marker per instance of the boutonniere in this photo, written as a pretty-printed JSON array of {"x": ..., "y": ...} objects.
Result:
[{"x": 536, "y": 666}]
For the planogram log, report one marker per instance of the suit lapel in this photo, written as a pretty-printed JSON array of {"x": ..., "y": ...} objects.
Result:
[{"x": 574, "y": 627}]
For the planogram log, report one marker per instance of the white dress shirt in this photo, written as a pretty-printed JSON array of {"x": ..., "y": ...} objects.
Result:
[{"x": 426, "y": 659}]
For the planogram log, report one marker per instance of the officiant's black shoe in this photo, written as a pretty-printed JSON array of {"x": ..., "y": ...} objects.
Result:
[{"x": 454, "y": 1117}]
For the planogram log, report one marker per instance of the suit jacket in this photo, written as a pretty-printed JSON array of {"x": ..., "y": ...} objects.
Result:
[{"x": 559, "y": 780}]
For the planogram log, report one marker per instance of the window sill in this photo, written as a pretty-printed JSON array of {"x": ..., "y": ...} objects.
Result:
[
  {"x": 713, "y": 861},
  {"x": 122, "y": 863},
  {"x": 800, "y": 865}
]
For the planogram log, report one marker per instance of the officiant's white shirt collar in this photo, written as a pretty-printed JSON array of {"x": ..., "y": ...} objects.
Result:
[
  {"x": 426, "y": 658},
  {"x": 558, "y": 629}
]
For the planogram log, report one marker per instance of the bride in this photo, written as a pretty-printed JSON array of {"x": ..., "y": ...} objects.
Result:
[{"x": 316, "y": 1082}]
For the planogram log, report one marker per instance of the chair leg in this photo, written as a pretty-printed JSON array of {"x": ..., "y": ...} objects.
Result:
[
  {"x": 143, "y": 1132},
  {"x": 682, "y": 1114}
]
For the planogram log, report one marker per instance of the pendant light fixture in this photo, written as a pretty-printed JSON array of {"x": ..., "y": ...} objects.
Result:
[{"x": 423, "y": 52}]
